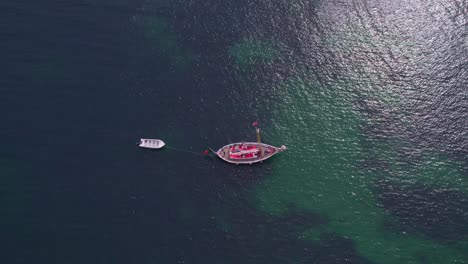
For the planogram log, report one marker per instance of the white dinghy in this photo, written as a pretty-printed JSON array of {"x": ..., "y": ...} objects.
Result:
[{"x": 151, "y": 143}]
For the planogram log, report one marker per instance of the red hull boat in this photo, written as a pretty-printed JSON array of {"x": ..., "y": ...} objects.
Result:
[{"x": 248, "y": 152}]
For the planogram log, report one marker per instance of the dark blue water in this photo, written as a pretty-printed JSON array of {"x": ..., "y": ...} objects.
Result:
[{"x": 371, "y": 97}]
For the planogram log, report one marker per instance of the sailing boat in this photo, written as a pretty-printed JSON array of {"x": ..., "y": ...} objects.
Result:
[{"x": 248, "y": 152}]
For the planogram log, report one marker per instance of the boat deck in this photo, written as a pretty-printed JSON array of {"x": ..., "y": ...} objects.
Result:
[{"x": 246, "y": 152}]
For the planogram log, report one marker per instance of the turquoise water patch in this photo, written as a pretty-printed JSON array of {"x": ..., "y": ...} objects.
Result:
[
  {"x": 165, "y": 42},
  {"x": 250, "y": 52},
  {"x": 321, "y": 173}
]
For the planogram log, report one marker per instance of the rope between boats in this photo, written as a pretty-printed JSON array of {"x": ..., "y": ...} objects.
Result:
[{"x": 184, "y": 150}]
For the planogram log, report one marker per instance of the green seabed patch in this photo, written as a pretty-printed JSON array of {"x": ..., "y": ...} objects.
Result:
[
  {"x": 166, "y": 43},
  {"x": 249, "y": 52},
  {"x": 437, "y": 172},
  {"x": 320, "y": 173}
]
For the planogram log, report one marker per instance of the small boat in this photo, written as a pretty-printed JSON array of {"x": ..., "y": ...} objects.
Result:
[
  {"x": 151, "y": 143},
  {"x": 248, "y": 152}
]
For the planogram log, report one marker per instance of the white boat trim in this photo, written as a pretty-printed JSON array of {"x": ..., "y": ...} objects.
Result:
[
  {"x": 219, "y": 153},
  {"x": 151, "y": 143}
]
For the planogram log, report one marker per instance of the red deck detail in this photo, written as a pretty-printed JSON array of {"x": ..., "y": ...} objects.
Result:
[{"x": 247, "y": 152}]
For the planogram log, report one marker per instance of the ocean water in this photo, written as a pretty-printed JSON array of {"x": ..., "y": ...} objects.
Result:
[{"x": 370, "y": 97}]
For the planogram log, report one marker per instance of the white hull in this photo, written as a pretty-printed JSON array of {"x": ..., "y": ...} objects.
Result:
[
  {"x": 151, "y": 143},
  {"x": 247, "y": 152}
]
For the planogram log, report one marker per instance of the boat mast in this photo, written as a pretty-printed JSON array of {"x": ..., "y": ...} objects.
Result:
[
  {"x": 255, "y": 124},
  {"x": 258, "y": 134}
]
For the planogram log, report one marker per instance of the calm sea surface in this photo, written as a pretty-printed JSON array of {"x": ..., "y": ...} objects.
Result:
[{"x": 371, "y": 98}]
